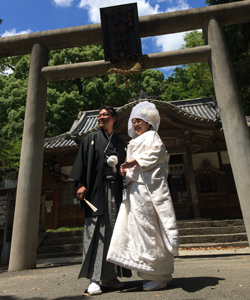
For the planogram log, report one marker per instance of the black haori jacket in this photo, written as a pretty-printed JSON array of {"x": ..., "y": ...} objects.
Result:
[{"x": 89, "y": 164}]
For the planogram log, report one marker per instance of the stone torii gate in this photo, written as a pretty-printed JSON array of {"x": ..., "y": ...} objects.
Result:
[{"x": 210, "y": 19}]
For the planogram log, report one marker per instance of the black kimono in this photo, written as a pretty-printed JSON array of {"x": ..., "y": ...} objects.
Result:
[{"x": 104, "y": 191}]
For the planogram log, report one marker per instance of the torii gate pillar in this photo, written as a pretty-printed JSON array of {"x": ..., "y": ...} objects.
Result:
[
  {"x": 232, "y": 115},
  {"x": 25, "y": 228}
]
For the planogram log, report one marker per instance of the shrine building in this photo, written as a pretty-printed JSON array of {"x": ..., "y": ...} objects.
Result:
[{"x": 200, "y": 175}]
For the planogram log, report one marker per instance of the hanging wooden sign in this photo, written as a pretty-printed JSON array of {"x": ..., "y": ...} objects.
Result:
[{"x": 121, "y": 36}]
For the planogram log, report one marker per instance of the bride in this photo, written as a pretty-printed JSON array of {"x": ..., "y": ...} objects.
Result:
[{"x": 145, "y": 237}]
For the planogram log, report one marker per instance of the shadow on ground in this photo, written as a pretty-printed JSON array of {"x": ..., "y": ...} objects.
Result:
[{"x": 190, "y": 284}]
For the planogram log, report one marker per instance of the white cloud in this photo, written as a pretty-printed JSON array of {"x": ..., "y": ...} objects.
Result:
[
  {"x": 167, "y": 71},
  {"x": 13, "y": 32},
  {"x": 63, "y": 3},
  {"x": 177, "y": 5},
  {"x": 170, "y": 42},
  {"x": 93, "y": 7}
]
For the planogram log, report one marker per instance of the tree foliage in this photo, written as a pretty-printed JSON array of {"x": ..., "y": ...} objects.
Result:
[
  {"x": 192, "y": 80},
  {"x": 9, "y": 155}
]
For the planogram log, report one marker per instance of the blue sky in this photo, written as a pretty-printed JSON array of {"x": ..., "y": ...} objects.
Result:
[{"x": 27, "y": 16}]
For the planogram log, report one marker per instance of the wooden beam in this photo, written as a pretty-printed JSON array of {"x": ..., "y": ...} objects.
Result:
[{"x": 101, "y": 67}]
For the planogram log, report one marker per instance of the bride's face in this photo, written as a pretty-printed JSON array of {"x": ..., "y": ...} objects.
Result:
[{"x": 140, "y": 126}]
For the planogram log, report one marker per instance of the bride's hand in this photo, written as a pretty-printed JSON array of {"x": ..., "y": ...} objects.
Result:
[{"x": 129, "y": 164}]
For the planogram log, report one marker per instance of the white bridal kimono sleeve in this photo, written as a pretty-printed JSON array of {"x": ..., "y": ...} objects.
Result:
[{"x": 145, "y": 236}]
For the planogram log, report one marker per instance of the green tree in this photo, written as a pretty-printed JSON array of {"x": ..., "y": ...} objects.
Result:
[
  {"x": 13, "y": 93},
  {"x": 9, "y": 155},
  {"x": 67, "y": 97},
  {"x": 192, "y": 80}
]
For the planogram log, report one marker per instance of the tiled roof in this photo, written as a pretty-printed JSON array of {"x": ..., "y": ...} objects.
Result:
[
  {"x": 60, "y": 141},
  {"x": 85, "y": 122},
  {"x": 90, "y": 123},
  {"x": 204, "y": 109}
]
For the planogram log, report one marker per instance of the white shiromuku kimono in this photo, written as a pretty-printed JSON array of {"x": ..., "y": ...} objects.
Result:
[{"x": 145, "y": 238}]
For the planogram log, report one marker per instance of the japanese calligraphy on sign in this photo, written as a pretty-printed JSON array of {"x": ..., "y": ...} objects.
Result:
[{"x": 121, "y": 36}]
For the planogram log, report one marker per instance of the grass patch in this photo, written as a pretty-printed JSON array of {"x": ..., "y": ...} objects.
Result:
[{"x": 63, "y": 229}]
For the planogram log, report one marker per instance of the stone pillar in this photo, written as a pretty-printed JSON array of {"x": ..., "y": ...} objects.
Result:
[
  {"x": 192, "y": 182},
  {"x": 26, "y": 219},
  {"x": 232, "y": 115}
]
